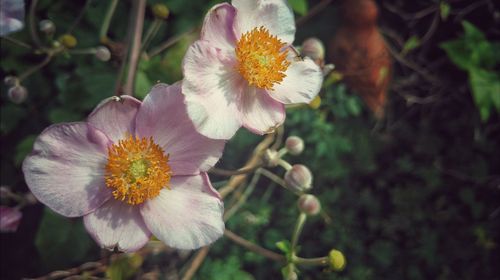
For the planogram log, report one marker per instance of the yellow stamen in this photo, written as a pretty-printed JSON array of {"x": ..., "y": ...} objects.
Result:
[
  {"x": 137, "y": 170},
  {"x": 261, "y": 60}
]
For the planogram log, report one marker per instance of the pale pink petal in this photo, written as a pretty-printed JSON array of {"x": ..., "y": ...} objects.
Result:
[
  {"x": 65, "y": 171},
  {"x": 212, "y": 87},
  {"x": 260, "y": 113},
  {"x": 117, "y": 224},
  {"x": 163, "y": 116},
  {"x": 275, "y": 15},
  {"x": 302, "y": 83},
  {"x": 115, "y": 116},
  {"x": 188, "y": 216},
  {"x": 218, "y": 27}
]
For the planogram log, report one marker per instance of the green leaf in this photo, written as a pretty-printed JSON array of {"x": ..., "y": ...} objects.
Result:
[
  {"x": 124, "y": 267},
  {"x": 444, "y": 9},
  {"x": 23, "y": 149},
  {"x": 299, "y": 6},
  {"x": 60, "y": 241},
  {"x": 284, "y": 246},
  {"x": 485, "y": 86},
  {"x": 412, "y": 43}
]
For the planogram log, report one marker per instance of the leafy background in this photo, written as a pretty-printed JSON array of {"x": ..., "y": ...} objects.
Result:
[{"x": 413, "y": 196}]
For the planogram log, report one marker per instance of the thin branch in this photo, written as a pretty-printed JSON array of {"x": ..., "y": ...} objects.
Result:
[
  {"x": 136, "y": 47},
  {"x": 243, "y": 170},
  {"x": 17, "y": 42},
  {"x": 33, "y": 28},
  {"x": 35, "y": 68},
  {"x": 170, "y": 42},
  {"x": 196, "y": 263},
  {"x": 103, "y": 33},
  {"x": 254, "y": 247}
]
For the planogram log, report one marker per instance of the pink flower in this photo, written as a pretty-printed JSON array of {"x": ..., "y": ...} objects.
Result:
[
  {"x": 130, "y": 170},
  {"x": 11, "y": 16},
  {"x": 9, "y": 219},
  {"x": 243, "y": 70}
]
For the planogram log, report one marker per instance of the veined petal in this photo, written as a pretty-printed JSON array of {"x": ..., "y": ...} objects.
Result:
[
  {"x": 302, "y": 83},
  {"x": 212, "y": 87},
  {"x": 275, "y": 15},
  {"x": 115, "y": 116},
  {"x": 260, "y": 113},
  {"x": 188, "y": 216},
  {"x": 163, "y": 116},
  {"x": 65, "y": 171},
  {"x": 218, "y": 27},
  {"x": 117, "y": 224}
]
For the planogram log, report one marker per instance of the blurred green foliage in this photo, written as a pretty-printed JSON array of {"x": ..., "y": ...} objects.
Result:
[{"x": 412, "y": 197}]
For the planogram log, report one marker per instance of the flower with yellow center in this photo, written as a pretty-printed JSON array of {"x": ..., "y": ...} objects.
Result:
[
  {"x": 243, "y": 71},
  {"x": 133, "y": 169},
  {"x": 137, "y": 169},
  {"x": 261, "y": 59}
]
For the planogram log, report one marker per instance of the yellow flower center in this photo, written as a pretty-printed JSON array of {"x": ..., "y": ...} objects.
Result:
[
  {"x": 261, "y": 60},
  {"x": 137, "y": 170}
]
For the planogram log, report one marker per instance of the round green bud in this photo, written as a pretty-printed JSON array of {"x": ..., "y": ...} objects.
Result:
[
  {"x": 337, "y": 260},
  {"x": 68, "y": 40},
  {"x": 160, "y": 11}
]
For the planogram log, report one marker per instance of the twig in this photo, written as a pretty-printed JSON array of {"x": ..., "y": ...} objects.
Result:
[
  {"x": 33, "y": 30},
  {"x": 196, "y": 263},
  {"x": 273, "y": 177},
  {"x": 170, "y": 42},
  {"x": 35, "y": 68},
  {"x": 280, "y": 131},
  {"x": 17, "y": 42},
  {"x": 103, "y": 33},
  {"x": 254, "y": 247},
  {"x": 151, "y": 33},
  {"x": 243, "y": 198},
  {"x": 136, "y": 46}
]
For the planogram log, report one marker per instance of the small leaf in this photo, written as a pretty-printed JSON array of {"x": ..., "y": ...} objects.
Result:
[
  {"x": 485, "y": 86},
  {"x": 284, "y": 246},
  {"x": 412, "y": 43},
  {"x": 299, "y": 6},
  {"x": 444, "y": 9}
]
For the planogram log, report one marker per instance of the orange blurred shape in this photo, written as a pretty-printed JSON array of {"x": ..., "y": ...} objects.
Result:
[{"x": 359, "y": 52}]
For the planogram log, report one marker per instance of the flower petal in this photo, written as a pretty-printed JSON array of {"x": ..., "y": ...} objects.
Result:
[
  {"x": 115, "y": 116},
  {"x": 275, "y": 15},
  {"x": 188, "y": 216},
  {"x": 212, "y": 87},
  {"x": 117, "y": 223},
  {"x": 218, "y": 26},
  {"x": 302, "y": 83},
  {"x": 66, "y": 168},
  {"x": 163, "y": 116},
  {"x": 260, "y": 113}
]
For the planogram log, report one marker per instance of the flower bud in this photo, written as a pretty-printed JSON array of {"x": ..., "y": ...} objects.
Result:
[
  {"x": 309, "y": 204},
  {"x": 161, "y": 11},
  {"x": 313, "y": 48},
  {"x": 294, "y": 145},
  {"x": 47, "y": 26},
  {"x": 298, "y": 178},
  {"x": 9, "y": 219},
  {"x": 68, "y": 40},
  {"x": 102, "y": 53},
  {"x": 10, "y": 81},
  {"x": 17, "y": 94},
  {"x": 337, "y": 260}
]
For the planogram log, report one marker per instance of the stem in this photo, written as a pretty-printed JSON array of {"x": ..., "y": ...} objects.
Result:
[
  {"x": 280, "y": 131},
  {"x": 170, "y": 42},
  {"x": 243, "y": 170},
  {"x": 254, "y": 247},
  {"x": 103, "y": 34},
  {"x": 297, "y": 231},
  {"x": 32, "y": 70},
  {"x": 151, "y": 33},
  {"x": 313, "y": 261},
  {"x": 196, "y": 263},
  {"x": 273, "y": 177},
  {"x": 243, "y": 198},
  {"x": 17, "y": 42},
  {"x": 285, "y": 164},
  {"x": 136, "y": 46},
  {"x": 33, "y": 30},
  {"x": 83, "y": 51}
]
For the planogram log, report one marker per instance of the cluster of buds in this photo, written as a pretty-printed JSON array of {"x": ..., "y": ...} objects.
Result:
[{"x": 16, "y": 93}]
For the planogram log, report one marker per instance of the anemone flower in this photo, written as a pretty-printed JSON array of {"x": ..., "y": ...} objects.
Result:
[
  {"x": 11, "y": 16},
  {"x": 244, "y": 69},
  {"x": 131, "y": 170}
]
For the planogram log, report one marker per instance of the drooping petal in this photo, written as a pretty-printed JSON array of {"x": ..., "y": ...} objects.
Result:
[
  {"x": 163, "y": 116},
  {"x": 188, "y": 216},
  {"x": 115, "y": 116},
  {"x": 117, "y": 224},
  {"x": 211, "y": 87},
  {"x": 260, "y": 113},
  {"x": 65, "y": 171},
  {"x": 11, "y": 16},
  {"x": 275, "y": 15},
  {"x": 302, "y": 83},
  {"x": 218, "y": 27}
]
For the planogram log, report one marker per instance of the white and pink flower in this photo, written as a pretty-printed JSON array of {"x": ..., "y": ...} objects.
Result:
[
  {"x": 243, "y": 70},
  {"x": 131, "y": 170}
]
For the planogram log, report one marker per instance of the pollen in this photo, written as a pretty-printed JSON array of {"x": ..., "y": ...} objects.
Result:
[
  {"x": 261, "y": 60},
  {"x": 137, "y": 170}
]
